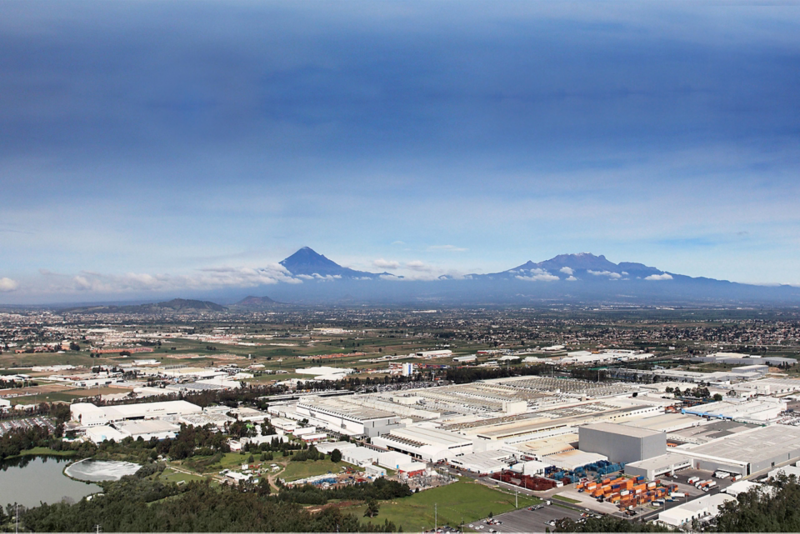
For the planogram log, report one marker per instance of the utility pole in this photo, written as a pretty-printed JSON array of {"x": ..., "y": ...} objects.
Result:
[
  {"x": 16, "y": 513},
  {"x": 435, "y": 516},
  {"x": 516, "y": 498}
]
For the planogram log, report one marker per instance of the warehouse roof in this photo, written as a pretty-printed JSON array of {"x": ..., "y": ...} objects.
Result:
[
  {"x": 756, "y": 445},
  {"x": 430, "y": 436},
  {"x": 624, "y": 430}
]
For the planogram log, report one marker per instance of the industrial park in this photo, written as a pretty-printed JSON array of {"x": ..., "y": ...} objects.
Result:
[{"x": 664, "y": 431}]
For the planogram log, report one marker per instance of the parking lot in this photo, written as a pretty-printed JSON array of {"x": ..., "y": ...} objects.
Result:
[
  {"x": 28, "y": 422},
  {"x": 524, "y": 520}
]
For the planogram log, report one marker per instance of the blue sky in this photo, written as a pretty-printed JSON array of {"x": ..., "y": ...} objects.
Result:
[{"x": 177, "y": 146}]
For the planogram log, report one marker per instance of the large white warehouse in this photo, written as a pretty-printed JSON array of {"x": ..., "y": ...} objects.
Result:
[
  {"x": 429, "y": 444},
  {"x": 90, "y": 415}
]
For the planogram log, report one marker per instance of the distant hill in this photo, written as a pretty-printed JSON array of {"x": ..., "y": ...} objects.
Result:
[
  {"x": 306, "y": 263},
  {"x": 574, "y": 279},
  {"x": 258, "y": 303},
  {"x": 582, "y": 278},
  {"x": 171, "y": 306},
  {"x": 568, "y": 266}
]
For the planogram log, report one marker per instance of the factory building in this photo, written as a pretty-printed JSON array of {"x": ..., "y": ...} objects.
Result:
[
  {"x": 653, "y": 468},
  {"x": 703, "y": 509},
  {"x": 90, "y": 415},
  {"x": 401, "y": 463},
  {"x": 434, "y": 353},
  {"x": 145, "y": 429},
  {"x": 622, "y": 443},
  {"x": 360, "y": 456},
  {"x": 428, "y": 444},
  {"x": 348, "y": 418},
  {"x": 757, "y": 410},
  {"x": 749, "y": 452},
  {"x": 483, "y": 463}
]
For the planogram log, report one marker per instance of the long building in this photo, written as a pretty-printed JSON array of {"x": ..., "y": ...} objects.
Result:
[
  {"x": 749, "y": 452},
  {"x": 429, "y": 444},
  {"x": 88, "y": 414},
  {"x": 348, "y": 418}
]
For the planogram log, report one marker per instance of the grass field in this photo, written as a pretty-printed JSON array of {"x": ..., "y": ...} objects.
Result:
[
  {"x": 168, "y": 475},
  {"x": 457, "y": 502},
  {"x": 298, "y": 470}
]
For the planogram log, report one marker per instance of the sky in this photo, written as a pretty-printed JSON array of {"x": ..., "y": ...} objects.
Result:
[{"x": 172, "y": 146}]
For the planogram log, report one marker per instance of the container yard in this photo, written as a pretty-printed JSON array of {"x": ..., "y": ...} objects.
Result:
[{"x": 627, "y": 492}]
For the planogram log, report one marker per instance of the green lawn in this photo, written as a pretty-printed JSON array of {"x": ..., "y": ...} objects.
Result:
[
  {"x": 298, "y": 470},
  {"x": 457, "y": 502},
  {"x": 168, "y": 475},
  {"x": 231, "y": 460}
]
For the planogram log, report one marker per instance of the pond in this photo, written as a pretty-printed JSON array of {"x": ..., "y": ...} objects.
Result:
[
  {"x": 30, "y": 480},
  {"x": 100, "y": 470}
]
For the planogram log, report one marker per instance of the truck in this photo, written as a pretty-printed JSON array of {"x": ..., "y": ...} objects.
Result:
[
  {"x": 721, "y": 474},
  {"x": 693, "y": 480}
]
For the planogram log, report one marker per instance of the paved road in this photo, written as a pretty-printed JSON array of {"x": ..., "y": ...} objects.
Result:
[{"x": 524, "y": 520}]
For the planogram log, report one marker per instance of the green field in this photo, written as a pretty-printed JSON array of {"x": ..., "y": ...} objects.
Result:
[
  {"x": 298, "y": 470},
  {"x": 458, "y": 502},
  {"x": 168, "y": 475}
]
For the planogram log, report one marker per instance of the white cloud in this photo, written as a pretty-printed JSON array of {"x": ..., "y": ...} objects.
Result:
[
  {"x": 381, "y": 263},
  {"x": 7, "y": 285},
  {"x": 572, "y": 279},
  {"x": 663, "y": 276},
  {"x": 447, "y": 248},
  {"x": 612, "y": 276},
  {"x": 317, "y": 276},
  {"x": 210, "y": 278},
  {"x": 567, "y": 270},
  {"x": 418, "y": 266},
  {"x": 538, "y": 275}
]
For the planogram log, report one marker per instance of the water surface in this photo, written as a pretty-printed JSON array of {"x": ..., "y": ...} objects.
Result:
[
  {"x": 100, "y": 470},
  {"x": 30, "y": 480}
]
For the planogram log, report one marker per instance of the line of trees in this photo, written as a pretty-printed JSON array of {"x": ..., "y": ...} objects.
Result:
[{"x": 142, "y": 505}]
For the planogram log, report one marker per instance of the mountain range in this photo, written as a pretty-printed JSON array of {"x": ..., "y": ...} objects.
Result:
[
  {"x": 584, "y": 279},
  {"x": 580, "y": 277},
  {"x": 174, "y": 306}
]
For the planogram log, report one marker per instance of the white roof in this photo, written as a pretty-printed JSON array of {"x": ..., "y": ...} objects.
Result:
[
  {"x": 430, "y": 436},
  {"x": 360, "y": 454},
  {"x": 103, "y": 433}
]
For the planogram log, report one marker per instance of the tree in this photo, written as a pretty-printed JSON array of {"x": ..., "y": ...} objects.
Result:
[
  {"x": 372, "y": 508},
  {"x": 336, "y": 456},
  {"x": 717, "y": 397},
  {"x": 263, "y": 488}
]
